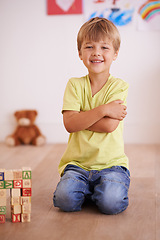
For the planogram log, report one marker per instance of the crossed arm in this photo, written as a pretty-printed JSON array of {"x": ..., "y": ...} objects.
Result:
[{"x": 104, "y": 118}]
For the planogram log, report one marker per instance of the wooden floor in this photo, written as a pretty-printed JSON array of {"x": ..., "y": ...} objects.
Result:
[{"x": 141, "y": 221}]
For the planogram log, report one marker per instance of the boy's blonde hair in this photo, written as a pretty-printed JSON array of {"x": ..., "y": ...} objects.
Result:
[{"x": 97, "y": 29}]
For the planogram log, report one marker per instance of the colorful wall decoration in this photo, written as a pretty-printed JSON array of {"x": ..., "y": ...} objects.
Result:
[
  {"x": 120, "y": 12},
  {"x": 149, "y": 10},
  {"x": 55, "y": 7},
  {"x": 149, "y": 15}
]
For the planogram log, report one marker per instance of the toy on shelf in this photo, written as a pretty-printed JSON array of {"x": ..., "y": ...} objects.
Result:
[
  {"x": 26, "y": 132},
  {"x": 20, "y": 185}
]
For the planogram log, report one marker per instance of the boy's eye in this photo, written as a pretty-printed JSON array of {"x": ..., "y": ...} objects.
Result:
[
  {"x": 88, "y": 46},
  {"x": 105, "y": 48}
]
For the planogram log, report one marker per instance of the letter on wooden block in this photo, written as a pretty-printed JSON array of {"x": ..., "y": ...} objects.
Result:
[
  {"x": 16, "y": 218},
  {"x": 2, "y": 174},
  {"x": 17, "y": 174},
  {"x": 2, "y": 218},
  {"x": 16, "y": 209},
  {"x": 26, "y": 174},
  {"x": 1, "y": 184},
  {"x": 27, "y": 183},
  {"x": 8, "y": 175},
  {"x": 26, "y": 192},
  {"x": 2, "y": 193},
  {"x": 26, "y": 208},
  {"x": 17, "y": 183},
  {"x": 8, "y": 184},
  {"x": 25, "y": 200},
  {"x": 15, "y": 200},
  {"x": 15, "y": 192},
  {"x": 3, "y": 201},
  {"x": 2, "y": 210},
  {"x": 25, "y": 217}
]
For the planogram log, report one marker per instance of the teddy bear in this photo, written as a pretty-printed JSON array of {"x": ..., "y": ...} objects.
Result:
[{"x": 26, "y": 132}]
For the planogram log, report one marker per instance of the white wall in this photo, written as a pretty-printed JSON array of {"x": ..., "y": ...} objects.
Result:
[{"x": 38, "y": 55}]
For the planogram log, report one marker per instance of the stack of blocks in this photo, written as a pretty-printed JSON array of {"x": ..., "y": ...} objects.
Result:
[{"x": 20, "y": 185}]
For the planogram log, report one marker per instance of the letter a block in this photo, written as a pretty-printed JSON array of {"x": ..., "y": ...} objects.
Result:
[{"x": 26, "y": 173}]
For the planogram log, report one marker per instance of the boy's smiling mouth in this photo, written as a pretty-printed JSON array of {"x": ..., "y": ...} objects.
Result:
[{"x": 96, "y": 61}]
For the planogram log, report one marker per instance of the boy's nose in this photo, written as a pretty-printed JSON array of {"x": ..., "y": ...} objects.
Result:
[{"x": 96, "y": 53}]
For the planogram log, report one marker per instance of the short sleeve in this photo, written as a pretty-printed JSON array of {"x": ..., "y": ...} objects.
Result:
[
  {"x": 118, "y": 92},
  {"x": 71, "y": 100}
]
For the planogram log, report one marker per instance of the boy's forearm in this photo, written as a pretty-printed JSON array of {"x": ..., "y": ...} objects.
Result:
[
  {"x": 105, "y": 125},
  {"x": 78, "y": 121}
]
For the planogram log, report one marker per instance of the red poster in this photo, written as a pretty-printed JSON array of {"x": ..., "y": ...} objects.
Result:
[{"x": 55, "y": 7}]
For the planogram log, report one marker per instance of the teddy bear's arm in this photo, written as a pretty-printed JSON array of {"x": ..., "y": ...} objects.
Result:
[
  {"x": 39, "y": 139},
  {"x": 12, "y": 140}
]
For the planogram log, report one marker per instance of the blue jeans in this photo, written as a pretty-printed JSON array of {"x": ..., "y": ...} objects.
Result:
[{"x": 108, "y": 188}]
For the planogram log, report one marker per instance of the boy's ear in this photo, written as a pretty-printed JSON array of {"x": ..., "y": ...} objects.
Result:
[
  {"x": 115, "y": 55},
  {"x": 80, "y": 55}
]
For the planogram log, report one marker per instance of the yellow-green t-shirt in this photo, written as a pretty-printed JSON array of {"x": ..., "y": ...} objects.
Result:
[{"x": 87, "y": 149}]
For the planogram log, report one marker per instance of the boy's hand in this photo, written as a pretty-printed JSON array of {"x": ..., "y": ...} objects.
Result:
[{"x": 116, "y": 110}]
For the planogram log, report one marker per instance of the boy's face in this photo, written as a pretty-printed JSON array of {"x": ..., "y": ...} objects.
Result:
[{"x": 98, "y": 56}]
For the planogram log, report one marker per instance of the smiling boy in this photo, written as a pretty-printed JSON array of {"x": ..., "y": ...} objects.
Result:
[{"x": 94, "y": 164}]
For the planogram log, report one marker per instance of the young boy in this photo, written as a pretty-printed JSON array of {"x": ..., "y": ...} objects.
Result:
[{"x": 94, "y": 164}]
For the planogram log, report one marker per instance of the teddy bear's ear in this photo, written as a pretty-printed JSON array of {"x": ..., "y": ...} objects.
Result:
[
  {"x": 35, "y": 112},
  {"x": 16, "y": 113}
]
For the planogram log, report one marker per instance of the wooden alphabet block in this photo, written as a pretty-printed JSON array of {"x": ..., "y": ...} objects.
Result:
[
  {"x": 16, "y": 218},
  {"x": 2, "y": 210},
  {"x": 26, "y": 192},
  {"x": 26, "y": 173},
  {"x": 8, "y": 175},
  {"x": 25, "y": 200},
  {"x": 17, "y": 183},
  {"x": 8, "y": 184},
  {"x": 2, "y": 174},
  {"x": 27, "y": 183},
  {"x": 15, "y": 200},
  {"x": 1, "y": 184},
  {"x": 15, "y": 192},
  {"x": 3, "y": 201},
  {"x": 26, "y": 208},
  {"x": 2, "y": 218},
  {"x": 2, "y": 193},
  {"x": 16, "y": 209},
  {"x": 17, "y": 174},
  {"x": 25, "y": 217}
]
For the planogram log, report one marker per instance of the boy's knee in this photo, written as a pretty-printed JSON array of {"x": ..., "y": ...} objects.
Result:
[
  {"x": 68, "y": 196},
  {"x": 113, "y": 201},
  {"x": 66, "y": 201}
]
